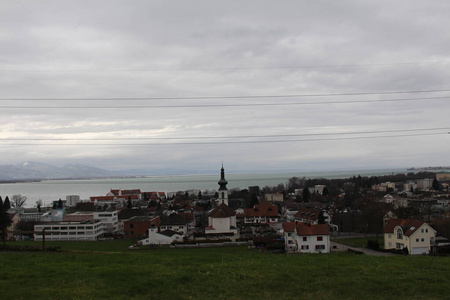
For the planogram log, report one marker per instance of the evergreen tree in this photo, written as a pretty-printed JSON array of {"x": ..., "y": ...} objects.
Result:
[
  {"x": 7, "y": 204},
  {"x": 436, "y": 185},
  {"x": 321, "y": 218},
  {"x": 306, "y": 194},
  {"x": 5, "y": 220},
  {"x": 60, "y": 204},
  {"x": 253, "y": 201}
]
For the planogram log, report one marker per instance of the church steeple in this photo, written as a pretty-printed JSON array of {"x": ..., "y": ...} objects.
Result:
[{"x": 223, "y": 191}]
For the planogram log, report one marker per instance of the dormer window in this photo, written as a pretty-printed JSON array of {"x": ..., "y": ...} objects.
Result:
[{"x": 399, "y": 234}]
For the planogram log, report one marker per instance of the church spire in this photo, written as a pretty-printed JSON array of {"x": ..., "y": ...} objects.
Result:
[
  {"x": 222, "y": 182},
  {"x": 223, "y": 191}
]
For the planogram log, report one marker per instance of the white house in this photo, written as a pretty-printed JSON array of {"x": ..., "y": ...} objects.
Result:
[
  {"x": 176, "y": 223},
  {"x": 165, "y": 237},
  {"x": 415, "y": 236},
  {"x": 306, "y": 238}
]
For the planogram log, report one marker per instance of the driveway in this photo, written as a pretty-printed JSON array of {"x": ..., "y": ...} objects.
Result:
[{"x": 341, "y": 247}]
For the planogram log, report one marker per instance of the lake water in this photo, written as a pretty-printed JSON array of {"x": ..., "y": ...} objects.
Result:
[{"x": 51, "y": 190}]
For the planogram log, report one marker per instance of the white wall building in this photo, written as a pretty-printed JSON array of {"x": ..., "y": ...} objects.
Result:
[
  {"x": 109, "y": 218},
  {"x": 306, "y": 238},
  {"x": 70, "y": 231},
  {"x": 416, "y": 236},
  {"x": 72, "y": 200},
  {"x": 164, "y": 237}
]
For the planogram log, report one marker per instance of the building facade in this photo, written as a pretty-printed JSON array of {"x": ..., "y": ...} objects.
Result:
[
  {"x": 414, "y": 236},
  {"x": 70, "y": 231},
  {"x": 306, "y": 238}
]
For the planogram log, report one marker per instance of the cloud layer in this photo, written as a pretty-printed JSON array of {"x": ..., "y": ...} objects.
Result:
[{"x": 74, "y": 76}]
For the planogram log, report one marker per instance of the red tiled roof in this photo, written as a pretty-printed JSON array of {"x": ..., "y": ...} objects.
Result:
[
  {"x": 222, "y": 211},
  {"x": 408, "y": 226},
  {"x": 115, "y": 192},
  {"x": 125, "y": 197},
  {"x": 262, "y": 210},
  {"x": 289, "y": 226},
  {"x": 188, "y": 217},
  {"x": 131, "y": 192},
  {"x": 308, "y": 214},
  {"x": 102, "y": 198},
  {"x": 308, "y": 229}
]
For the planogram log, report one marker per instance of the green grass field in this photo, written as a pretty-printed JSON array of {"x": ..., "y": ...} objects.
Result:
[{"x": 113, "y": 272}]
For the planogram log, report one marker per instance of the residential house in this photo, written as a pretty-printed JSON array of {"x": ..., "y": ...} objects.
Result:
[
  {"x": 274, "y": 197},
  {"x": 165, "y": 237},
  {"x": 306, "y": 237},
  {"x": 138, "y": 226},
  {"x": 414, "y": 236},
  {"x": 175, "y": 222},
  {"x": 311, "y": 215},
  {"x": 264, "y": 213}
]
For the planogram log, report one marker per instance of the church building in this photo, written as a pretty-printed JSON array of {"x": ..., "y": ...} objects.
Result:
[{"x": 222, "y": 219}]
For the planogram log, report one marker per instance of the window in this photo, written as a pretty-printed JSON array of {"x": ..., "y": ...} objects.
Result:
[
  {"x": 390, "y": 236},
  {"x": 422, "y": 230},
  {"x": 305, "y": 247},
  {"x": 426, "y": 230},
  {"x": 290, "y": 242},
  {"x": 422, "y": 240},
  {"x": 320, "y": 247},
  {"x": 320, "y": 238},
  {"x": 305, "y": 238},
  {"x": 131, "y": 225},
  {"x": 399, "y": 234},
  {"x": 417, "y": 240}
]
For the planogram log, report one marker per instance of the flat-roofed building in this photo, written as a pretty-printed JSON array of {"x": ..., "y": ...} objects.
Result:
[{"x": 70, "y": 231}]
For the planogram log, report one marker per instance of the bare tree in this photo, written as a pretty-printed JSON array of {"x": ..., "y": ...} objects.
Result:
[{"x": 18, "y": 200}]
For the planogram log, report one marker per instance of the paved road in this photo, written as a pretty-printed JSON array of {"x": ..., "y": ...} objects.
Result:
[{"x": 342, "y": 247}]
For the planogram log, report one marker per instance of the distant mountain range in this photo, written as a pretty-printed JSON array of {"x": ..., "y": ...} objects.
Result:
[{"x": 36, "y": 171}]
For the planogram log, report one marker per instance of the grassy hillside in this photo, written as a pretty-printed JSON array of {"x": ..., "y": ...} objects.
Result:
[{"x": 217, "y": 273}]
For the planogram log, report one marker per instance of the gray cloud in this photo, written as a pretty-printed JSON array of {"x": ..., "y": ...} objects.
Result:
[{"x": 111, "y": 49}]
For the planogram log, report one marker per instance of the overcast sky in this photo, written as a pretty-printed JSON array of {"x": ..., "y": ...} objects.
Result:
[{"x": 85, "y": 81}]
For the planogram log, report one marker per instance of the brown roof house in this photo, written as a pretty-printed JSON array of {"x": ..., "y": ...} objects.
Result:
[
  {"x": 306, "y": 237},
  {"x": 264, "y": 213},
  {"x": 412, "y": 236}
]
